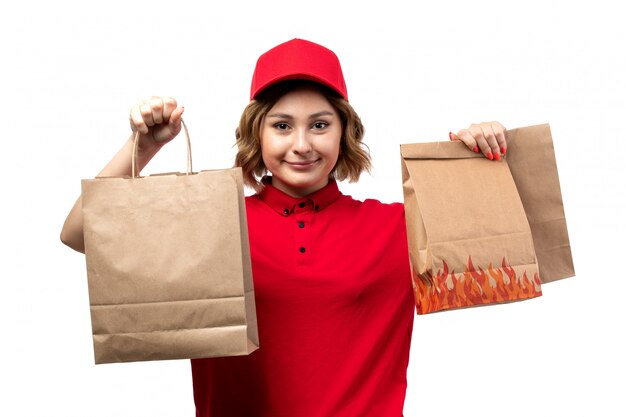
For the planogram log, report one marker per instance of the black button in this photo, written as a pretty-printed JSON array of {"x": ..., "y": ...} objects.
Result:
[
  {"x": 302, "y": 204},
  {"x": 302, "y": 249},
  {"x": 317, "y": 208},
  {"x": 301, "y": 225},
  {"x": 286, "y": 211}
]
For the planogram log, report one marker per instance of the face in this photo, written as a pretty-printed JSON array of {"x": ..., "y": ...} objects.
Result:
[{"x": 300, "y": 141}]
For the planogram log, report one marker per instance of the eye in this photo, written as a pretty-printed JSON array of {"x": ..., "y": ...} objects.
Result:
[
  {"x": 320, "y": 125},
  {"x": 281, "y": 126}
]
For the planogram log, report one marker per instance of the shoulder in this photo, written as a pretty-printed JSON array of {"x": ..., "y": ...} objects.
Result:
[
  {"x": 374, "y": 209},
  {"x": 251, "y": 199},
  {"x": 371, "y": 204},
  {"x": 376, "y": 224}
]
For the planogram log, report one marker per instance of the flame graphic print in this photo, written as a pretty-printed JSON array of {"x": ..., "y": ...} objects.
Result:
[{"x": 446, "y": 290}]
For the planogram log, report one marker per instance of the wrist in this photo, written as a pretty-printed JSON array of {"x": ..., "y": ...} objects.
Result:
[{"x": 146, "y": 148}]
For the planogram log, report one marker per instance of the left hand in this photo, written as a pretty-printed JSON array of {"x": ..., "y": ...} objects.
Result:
[{"x": 486, "y": 137}]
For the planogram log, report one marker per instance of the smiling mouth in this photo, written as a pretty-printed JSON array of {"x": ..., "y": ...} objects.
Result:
[{"x": 302, "y": 164}]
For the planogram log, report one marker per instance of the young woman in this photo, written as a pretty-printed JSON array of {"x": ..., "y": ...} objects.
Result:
[{"x": 332, "y": 278}]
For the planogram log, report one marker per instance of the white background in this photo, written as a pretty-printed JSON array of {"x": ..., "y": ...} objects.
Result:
[{"x": 71, "y": 71}]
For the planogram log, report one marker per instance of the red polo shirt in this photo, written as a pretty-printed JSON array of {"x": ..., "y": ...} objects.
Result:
[{"x": 335, "y": 310}]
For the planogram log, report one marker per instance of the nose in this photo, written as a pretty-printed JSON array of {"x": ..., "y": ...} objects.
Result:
[{"x": 302, "y": 142}]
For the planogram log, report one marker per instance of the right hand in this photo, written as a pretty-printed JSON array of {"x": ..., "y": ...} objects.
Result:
[{"x": 158, "y": 121}]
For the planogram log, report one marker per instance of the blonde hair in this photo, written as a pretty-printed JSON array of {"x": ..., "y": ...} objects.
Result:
[{"x": 354, "y": 157}]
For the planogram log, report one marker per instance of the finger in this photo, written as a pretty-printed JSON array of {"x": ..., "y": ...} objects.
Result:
[
  {"x": 146, "y": 113},
  {"x": 175, "y": 122},
  {"x": 499, "y": 131},
  {"x": 137, "y": 122},
  {"x": 466, "y": 137},
  {"x": 477, "y": 134},
  {"x": 490, "y": 137},
  {"x": 176, "y": 116},
  {"x": 169, "y": 105},
  {"x": 156, "y": 105}
]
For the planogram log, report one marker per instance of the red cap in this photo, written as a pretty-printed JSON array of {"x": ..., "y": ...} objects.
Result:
[{"x": 298, "y": 59}]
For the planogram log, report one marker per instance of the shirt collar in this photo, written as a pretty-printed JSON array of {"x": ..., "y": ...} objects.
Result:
[{"x": 284, "y": 204}]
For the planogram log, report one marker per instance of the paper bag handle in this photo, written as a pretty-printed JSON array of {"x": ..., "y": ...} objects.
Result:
[{"x": 136, "y": 145}]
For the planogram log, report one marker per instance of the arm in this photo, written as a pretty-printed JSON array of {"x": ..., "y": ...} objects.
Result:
[{"x": 158, "y": 120}]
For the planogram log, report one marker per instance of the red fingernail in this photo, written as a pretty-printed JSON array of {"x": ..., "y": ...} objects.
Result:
[
  {"x": 450, "y": 135},
  {"x": 497, "y": 156},
  {"x": 475, "y": 149},
  {"x": 503, "y": 149},
  {"x": 490, "y": 156}
]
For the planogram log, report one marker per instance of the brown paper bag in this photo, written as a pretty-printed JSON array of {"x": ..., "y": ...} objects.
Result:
[
  {"x": 471, "y": 237},
  {"x": 168, "y": 266},
  {"x": 530, "y": 156},
  {"x": 469, "y": 240}
]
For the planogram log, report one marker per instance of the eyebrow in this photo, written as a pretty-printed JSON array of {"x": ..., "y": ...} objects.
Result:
[{"x": 312, "y": 116}]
